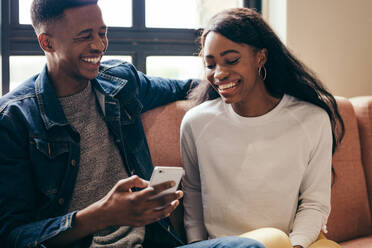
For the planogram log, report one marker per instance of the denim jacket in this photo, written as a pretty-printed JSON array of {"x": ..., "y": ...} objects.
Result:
[{"x": 40, "y": 151}]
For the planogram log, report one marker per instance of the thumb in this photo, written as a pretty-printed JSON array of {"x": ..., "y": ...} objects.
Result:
[{"x": 131, "y": 182}]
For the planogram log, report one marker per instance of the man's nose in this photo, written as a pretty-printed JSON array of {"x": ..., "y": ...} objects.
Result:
[{"x": 98, "y": 44}]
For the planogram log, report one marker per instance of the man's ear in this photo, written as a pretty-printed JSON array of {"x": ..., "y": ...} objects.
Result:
[
  {"x": 46, "y": 42},
  {"x": 262, "y": 57}
]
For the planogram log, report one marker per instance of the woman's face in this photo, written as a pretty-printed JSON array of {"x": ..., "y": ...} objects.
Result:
[{"x": 232, "y": 68}]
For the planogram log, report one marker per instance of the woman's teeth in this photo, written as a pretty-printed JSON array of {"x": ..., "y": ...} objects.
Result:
[{"x": 227, "y": 86}]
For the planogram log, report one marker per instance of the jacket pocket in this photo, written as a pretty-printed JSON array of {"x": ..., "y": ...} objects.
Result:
[
  {"x": 131, "y": 110},
  {"x": 50, "y": 163},
  {"x": 50, "y": 149}
]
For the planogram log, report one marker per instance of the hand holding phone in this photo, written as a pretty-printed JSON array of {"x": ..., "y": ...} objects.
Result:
[{"x": 166, "y": 173}]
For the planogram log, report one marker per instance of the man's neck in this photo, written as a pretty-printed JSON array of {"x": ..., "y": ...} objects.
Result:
[
  {"x": 66, "y": 85},
  {"x": 68, "y": 89}
]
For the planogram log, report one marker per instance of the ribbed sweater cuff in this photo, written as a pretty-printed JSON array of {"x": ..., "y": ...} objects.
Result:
[{"x": 300, "y": 240}]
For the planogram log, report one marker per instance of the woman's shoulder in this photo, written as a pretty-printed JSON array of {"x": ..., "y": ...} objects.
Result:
[
  {"x": 205, "y": 110},
  {"x": 305, "y": 110}
]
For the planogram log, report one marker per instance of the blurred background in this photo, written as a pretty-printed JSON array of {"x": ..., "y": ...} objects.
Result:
[{"x": 332, "y": 37}]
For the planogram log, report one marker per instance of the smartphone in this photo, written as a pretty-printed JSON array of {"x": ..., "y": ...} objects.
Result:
[{"x": 166, "y": 173}]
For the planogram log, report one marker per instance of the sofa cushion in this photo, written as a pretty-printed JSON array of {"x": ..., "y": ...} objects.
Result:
[
  {"x": 350, "y": 215},
  {"x": 363, "y": 111},
  {"x": 358, "y": 243},
  {"x": 162, "y": 129}
]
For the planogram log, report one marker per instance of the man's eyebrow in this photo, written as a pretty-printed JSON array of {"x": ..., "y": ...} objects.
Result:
[{"x": 89, "y": 30}]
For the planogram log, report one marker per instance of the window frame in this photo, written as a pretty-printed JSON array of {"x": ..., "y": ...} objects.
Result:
[{"x": 137, "y": 41}]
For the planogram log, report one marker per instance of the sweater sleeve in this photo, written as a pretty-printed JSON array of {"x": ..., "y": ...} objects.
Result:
[
  {"x": 193, "y": 217},
  {"x": 315, "y": 190}
]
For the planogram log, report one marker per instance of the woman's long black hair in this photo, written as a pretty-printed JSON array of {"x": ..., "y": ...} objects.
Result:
[{"x": 285, "y": 73}]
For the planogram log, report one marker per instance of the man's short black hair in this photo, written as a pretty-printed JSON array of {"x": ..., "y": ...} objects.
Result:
[{"x": 43, "y": 11}]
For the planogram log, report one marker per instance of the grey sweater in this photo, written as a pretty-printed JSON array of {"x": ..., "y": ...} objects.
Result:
[{"x": 100, "y": 166}]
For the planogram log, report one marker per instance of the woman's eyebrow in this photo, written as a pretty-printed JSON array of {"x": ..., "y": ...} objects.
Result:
[
  {"x": 228, "y": 51},
  {"x": 223, "y": 53}
]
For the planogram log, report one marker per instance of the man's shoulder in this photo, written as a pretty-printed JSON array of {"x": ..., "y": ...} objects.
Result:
[
  {"x": 24, "y": 91},
  {"x": 114, "y": 75},
  {"x": 116, "y": 67}
]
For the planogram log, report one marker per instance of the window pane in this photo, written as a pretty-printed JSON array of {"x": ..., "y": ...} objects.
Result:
[
  {"x": 115, "y": 13},
  {"x": 24, "y": 11},
  {"x": 184, "y": 13},
  {"x": 178, "y": 67},
  {"x": 23, "y": 67}
]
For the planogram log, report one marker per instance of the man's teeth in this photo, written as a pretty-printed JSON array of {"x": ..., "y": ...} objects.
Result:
[
  {"x": 227, "y": 86},
  {"x": 92, "y": 60}
]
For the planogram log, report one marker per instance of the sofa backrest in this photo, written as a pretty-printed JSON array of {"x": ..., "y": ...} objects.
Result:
[
  {"x": 350, "y": 215},
  {"x": 162, "y": 128},
  {"x": 363, "y": 110}
]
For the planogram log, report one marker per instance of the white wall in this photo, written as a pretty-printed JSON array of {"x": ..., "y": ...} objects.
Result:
[{"x": 334, "y": 38}]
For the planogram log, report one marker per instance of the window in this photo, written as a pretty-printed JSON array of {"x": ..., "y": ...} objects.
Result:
[
  {"x": 158, "y": 40},
  {"x": 182, "y": 67},
  {"x": 117, "y": 13}
]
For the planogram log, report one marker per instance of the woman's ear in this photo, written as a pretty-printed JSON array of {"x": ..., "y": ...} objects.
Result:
[
  {"x": 261, "y": 57},
  {"x": 46, "y": 42}
]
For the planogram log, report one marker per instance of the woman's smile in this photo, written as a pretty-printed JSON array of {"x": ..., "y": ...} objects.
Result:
[{"x": 228, "y": 88}]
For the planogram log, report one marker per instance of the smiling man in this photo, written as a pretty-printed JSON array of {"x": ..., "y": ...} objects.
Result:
[{"x": 73, "y": 148}]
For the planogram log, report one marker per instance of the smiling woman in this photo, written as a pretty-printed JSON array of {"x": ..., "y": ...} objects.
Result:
[
  {"x": 257, "y": 150},
  {"x": 232, "y": 70}
]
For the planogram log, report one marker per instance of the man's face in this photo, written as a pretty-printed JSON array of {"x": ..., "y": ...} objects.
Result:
[{"x": 79, "y": 42}]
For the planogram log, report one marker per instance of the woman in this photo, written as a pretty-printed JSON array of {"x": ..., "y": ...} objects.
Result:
[{"x": 257, "y": 151}]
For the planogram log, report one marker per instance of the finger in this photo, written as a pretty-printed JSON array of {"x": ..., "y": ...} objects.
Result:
[
  {"x": 161, "y": 212},
  {"x": 164, "y": 200},
  {"x": 165, "y": 211},
  {"x": 131, "y": 182},
  {"x": 150, "y": 192},
  {"x": 180, "y": 194},
  {"x": 163, "y": 186}
]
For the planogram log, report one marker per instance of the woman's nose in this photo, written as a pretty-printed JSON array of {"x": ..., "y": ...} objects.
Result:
[{"x": 220, "y": 73}]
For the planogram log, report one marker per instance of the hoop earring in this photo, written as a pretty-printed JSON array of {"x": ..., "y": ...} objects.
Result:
[{"x": 263, "y": 77}]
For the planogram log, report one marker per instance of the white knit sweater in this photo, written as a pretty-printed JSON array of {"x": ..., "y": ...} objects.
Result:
[{"x": 246, "y": 173}]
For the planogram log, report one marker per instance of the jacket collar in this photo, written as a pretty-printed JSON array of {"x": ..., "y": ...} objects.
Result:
[{"x": 50, "y": 108}]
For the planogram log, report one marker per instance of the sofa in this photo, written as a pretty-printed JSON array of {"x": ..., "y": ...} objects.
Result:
[{"x": 350, "y": 222}]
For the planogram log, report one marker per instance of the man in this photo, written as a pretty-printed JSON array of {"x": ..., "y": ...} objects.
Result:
[{"x": 73, "y": 149}]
